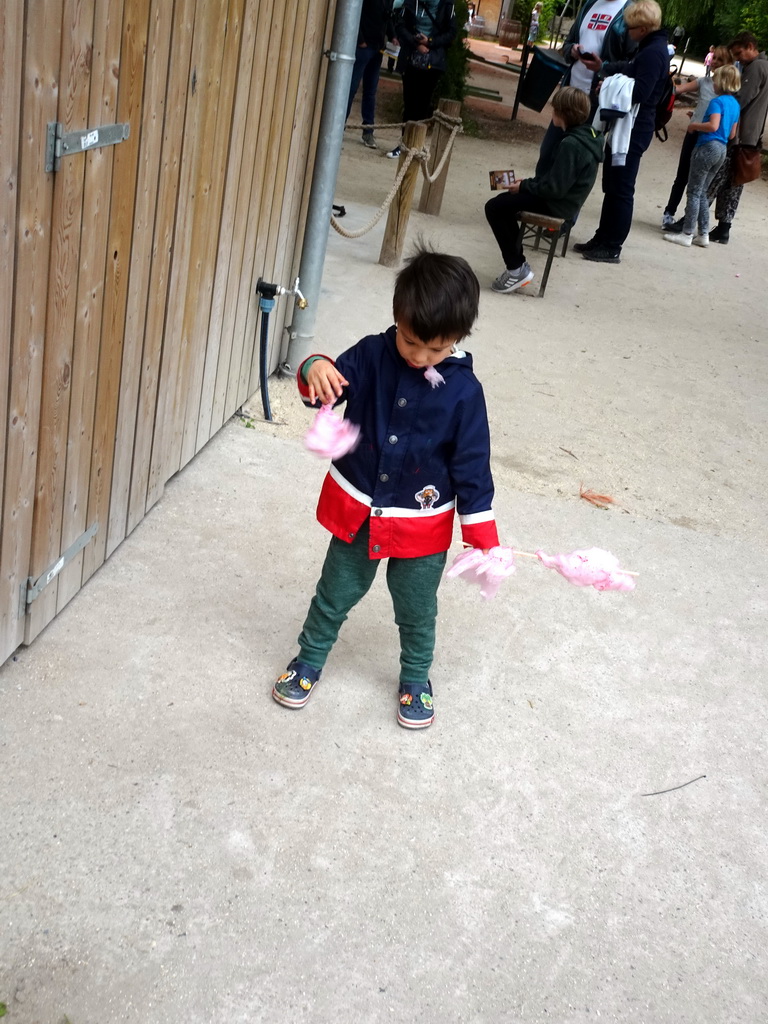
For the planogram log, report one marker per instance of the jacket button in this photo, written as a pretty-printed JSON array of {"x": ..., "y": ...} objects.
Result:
[
  {"x": 392, "y": 438},
  {"x": 377, "y": 512},
  {"x": 376, "y": 548},
  {"x": 402, "y": 402},
  {"x": 384, "y": 477}
]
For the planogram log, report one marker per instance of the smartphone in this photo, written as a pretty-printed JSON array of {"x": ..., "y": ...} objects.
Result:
[
  {"x": 587, "y": 56},
  {"x": 501, "y": 179}
]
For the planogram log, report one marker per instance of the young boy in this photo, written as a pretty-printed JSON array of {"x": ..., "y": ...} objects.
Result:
[
  {"x": 558, "y": 191},
  {"x": 424, "y": 454}
]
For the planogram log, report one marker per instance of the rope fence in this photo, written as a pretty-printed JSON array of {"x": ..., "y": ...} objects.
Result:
[{"x": 421, "y": 155}]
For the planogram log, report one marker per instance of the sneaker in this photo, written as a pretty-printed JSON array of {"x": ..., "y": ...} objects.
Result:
[
  {"x": 676, "y": 226},
  {"x": 586, "y": 246},
  {"x": 667, "y": 220},
  {"x": 295, "y": 685},
  {"x": 681, "y": 239},
  {"x": 602, "y": 255},
  {"x": 511, "y": 280},
  {"x": 415, "y": 708},
  {"x": 393, "y": 154},
  {"x": 720, "y": 233},
  {"x": 702, "y": 240},
  {"x": 369, "y": 141}
]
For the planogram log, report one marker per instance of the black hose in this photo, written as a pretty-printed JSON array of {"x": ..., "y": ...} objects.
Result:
[{"x": 263, "y": 361}]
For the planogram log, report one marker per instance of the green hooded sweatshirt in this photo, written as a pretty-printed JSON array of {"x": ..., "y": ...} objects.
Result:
[{"x": 566, "y": 184}]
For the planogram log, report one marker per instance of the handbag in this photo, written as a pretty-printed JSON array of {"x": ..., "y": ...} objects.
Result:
[
  {"x": 420, "y": 60},
  {"x": 746, "y": 164}
]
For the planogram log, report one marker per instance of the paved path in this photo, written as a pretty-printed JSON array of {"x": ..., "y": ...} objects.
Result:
[{"x": 177, "y": 847}]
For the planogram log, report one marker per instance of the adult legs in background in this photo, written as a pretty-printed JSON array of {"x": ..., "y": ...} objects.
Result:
[
  {"x": 418, "y": 91},
  {"x": 726, "y": 194},
  {"x": 370, "y": 88},
  {"x": 365, "y": 70},
  {"x": 413, "y": 584},
  {"x": 553, "y": 136},
  {"x": 619, "y": 196},
  {"x": 681, "y": 178}
]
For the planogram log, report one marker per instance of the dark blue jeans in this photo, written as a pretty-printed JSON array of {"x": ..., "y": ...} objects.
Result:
[
  {"x": 683, "y": 170},
  {"x": 619, "y": 194},
  {"x": 366, "y": 70}
]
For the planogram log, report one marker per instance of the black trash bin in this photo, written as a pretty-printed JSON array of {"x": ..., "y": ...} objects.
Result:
[{"x": 541, "y": 78}]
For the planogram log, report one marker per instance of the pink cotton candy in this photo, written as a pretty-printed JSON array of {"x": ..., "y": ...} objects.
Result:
[
  {"x": 434, "y": 378},
  {"x": 591, "y": 568},
  {"x": 487, "y": 570},
  {"x": 330, "y": 437}
]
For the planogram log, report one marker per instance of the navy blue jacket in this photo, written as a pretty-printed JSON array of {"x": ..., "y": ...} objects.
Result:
[
  {"x": 650, "y": 70},
  {"x": 424, "y": 454}
]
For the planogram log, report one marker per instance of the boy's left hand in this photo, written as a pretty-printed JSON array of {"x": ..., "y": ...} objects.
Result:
[{"x": 515, "y": 186}]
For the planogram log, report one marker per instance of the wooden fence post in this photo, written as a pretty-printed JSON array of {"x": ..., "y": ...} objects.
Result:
[
  {"x": 432, "y": 192},
  {"x": 414, "y": 137}
]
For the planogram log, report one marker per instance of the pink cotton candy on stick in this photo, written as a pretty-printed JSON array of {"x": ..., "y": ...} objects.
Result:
[
  {"x": 488, "y": 570},
  {"x": 590, "y": 568},
  {"x": 330, "y": 437},
  {"x": 434, "y": 378}
]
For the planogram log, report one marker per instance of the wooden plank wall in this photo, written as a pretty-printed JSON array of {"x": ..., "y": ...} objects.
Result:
[{"x": 128, "y": 318}]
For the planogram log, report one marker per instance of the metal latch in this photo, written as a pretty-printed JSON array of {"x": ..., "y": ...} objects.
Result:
[
  {"x": 34, "y": 587},
  {"x": 60, "y": 143}
]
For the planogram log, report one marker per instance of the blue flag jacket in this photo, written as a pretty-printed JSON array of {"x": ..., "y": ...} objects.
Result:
[{"x": 424, "y": 454}]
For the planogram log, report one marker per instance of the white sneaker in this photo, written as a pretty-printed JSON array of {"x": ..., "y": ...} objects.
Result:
[
  {"x": 511, "y": 280},
  {"x": 702, "y": 240},
  {"x": 681, "y": 239},
  {"x": 667, "y": 221},
  {"x": 393, "y": 154}
]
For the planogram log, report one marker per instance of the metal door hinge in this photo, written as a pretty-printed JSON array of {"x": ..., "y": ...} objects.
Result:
[
  {"x": 60, "y": 143},
  {"x": 34, "y": 587}
]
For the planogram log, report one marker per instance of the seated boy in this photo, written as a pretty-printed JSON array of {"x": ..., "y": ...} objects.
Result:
[{"x": 559, "y": 191}]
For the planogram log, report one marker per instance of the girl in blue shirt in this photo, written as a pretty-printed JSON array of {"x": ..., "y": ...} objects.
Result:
[{"x": 715, "y": 131}]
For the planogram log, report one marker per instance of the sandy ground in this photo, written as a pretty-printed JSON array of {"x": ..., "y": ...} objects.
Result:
[{"x": 176, "y": 847}]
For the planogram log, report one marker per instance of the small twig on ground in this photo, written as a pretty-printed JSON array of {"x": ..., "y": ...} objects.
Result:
[
  {"x": 673, "y": 788},
  {"x": 568, "y": 452}
]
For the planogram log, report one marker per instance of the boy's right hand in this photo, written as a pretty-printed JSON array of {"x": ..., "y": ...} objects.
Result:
[{"x": 325, "y": 382}]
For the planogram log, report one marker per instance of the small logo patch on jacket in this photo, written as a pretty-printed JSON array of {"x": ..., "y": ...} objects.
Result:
[{"x": 427, "y": 497}]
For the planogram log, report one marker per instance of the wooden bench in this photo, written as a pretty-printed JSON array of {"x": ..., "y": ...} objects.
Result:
[{"x": 533, "y": 226}]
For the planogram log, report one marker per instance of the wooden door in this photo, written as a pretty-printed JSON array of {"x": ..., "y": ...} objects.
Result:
[{"x": 127, "y": 314}]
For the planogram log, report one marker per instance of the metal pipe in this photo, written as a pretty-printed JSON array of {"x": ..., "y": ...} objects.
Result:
[{"x": 341, "y": 57}]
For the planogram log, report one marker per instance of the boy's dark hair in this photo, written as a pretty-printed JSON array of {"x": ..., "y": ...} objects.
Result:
[
  {"x": 572, "y": 105},
  {"x": 436, "y": 295},
  {"x": 744, "y": 40}
]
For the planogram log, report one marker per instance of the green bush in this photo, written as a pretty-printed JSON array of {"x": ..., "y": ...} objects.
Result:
[{"x": 453, "y": 84}]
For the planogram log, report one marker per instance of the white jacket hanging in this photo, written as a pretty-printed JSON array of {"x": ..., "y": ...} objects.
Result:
[{"x": 616, "y": 115}]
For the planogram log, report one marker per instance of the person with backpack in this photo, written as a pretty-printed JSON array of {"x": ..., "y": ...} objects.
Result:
[
  {"x": 600, "y": 30},
  {"x": 650, "y": 71},
  {"x": 425, "y": 30}
]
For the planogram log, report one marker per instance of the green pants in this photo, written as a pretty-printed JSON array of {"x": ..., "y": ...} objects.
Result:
[{"x": 346, "y": 578}]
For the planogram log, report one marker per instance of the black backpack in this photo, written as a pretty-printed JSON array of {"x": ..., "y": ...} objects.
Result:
[{"x": 665, "y": 106}]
